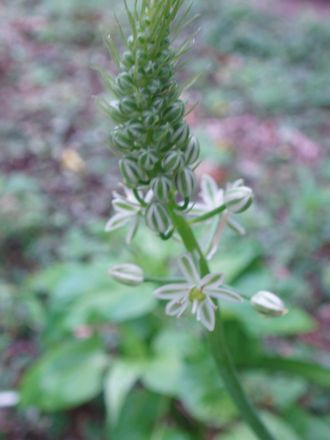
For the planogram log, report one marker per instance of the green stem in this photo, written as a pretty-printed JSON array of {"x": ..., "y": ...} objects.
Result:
[{"x": 217, "y": 340}]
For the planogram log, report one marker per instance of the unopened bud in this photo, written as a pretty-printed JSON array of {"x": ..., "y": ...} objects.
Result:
[
  {"x": 268, "y": 304},
  {"x": 161, "y": 187},
  {"x": 238, "y": 197},
  {"x": 180, "y": 135},
  {"x": 131, "y": 172},
  {"x": 185, "y": 182},
  {"x": 157, "y": 218},
  {"x": 128, "y": 274},
  {"x": 191, "y": 153},
  {"x": 173, "y": 161}
]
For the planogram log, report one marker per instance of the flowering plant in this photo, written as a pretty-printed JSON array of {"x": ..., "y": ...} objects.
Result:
[{"x": 157, "y": 158}]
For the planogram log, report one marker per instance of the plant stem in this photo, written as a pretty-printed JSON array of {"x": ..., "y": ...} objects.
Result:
[{"x": 217, "y": 340}]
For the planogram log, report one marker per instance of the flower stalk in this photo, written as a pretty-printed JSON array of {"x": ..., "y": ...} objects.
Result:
[{"x": 158, "y": 155}]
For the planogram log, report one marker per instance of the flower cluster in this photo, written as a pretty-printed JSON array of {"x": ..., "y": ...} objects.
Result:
[{"x": 156, "y": 147}]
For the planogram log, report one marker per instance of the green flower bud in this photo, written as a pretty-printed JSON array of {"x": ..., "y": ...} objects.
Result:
[
  {"x": 185, "y": 182},
  {"x": 128, "y": 106},
  {"x": 125, "y": 84},
  {"x": 121, "y": 140},
  {"x": 150, "y": 119},
  {"x": 129, "y": 274},
  {"x": 268, "y": 304},
  {"x": 180, "y": 135},
  {"x": 115, "y": 112},
  {"x": 161, "y": 187},
  {"x": 175, "y": 112},
  {"x": 127, "y": 59},
  {"x": 147, "y": 160},
  {"x": 157, "y": 218},
  {"x": 162, "y": 135},
  {"x": 191, "y": 153},
  {"x": 131, "y": 172},
  {"x": 136, "y": 130},
  {"x": 173, "y": 161}
]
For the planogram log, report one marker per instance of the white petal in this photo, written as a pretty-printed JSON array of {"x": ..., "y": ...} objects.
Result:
[
  {"x": 117, "y": 221},
  {"x": 176, "y": 308},
  {"x": 123, "y": 205},
  {"x": 172, "y": 291},
  {"x": 235, "y": 226},
  {"x": 189, "y": 269},
  {"x": 206, "y": 314},
  {"x": 223, "y": 292},
  {"x": 212, "y": 280},
  {"x": 132, "y": 230},
  {"x": 209, "y": 190}
]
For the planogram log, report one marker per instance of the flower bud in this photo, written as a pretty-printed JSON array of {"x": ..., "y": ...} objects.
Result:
[
  {"x": 131, "y": 172},
  {"x": 128, "y": 274},
  {"x": 185, "y": 182},
  {"x": 136, "y": 130},
  {"x": 238, "y": 197},
  {"x": 157, "y": 218},
  {"x": 175, "y": 112},
  {"x": 268, "y": 304},
  {"x": 147, "y": 160},
  {"x": 125, "y": 84},
  {"x": 161, "y": 187},
  {"x": 172, "y": 161},
  {"x": 191, "y": 153},
  {"x": 127, "y": 59},
  {"x": 114, "y": 111},
  {"x": 120, "y": 139},
  {"x": 128, "y": 106},
  {"x": 180, "y": 135}
]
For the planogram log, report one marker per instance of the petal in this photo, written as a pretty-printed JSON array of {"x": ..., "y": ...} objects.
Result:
[
  {"x": 172, "y": 291},
  {"x": 206, "y": 314},
  {"x": 209, "y": 190},
  {"x": 176, "y": 308},
  {"x": 132, "y": 230},
  {"x": 123, "y": 205},
  {"x": 117, "y": 221},
  {"x": 212, "y": 280},
  {"x": 189, "y": 269},
  {"x": 233, "y": 224},
  {"x": 223, "y": 292}
]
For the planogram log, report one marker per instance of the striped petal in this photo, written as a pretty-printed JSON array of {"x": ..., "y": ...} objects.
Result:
[
  {"x": 223, "y": 292},
  {"x": 117, "y": 221},
  {"x": 206, "y": 314},
  {"x": 172, "y": 291},
  {"x": 189, "y": 269},
  {"x": 176, "y": 308},
  {"x": 212, "y": 280}
]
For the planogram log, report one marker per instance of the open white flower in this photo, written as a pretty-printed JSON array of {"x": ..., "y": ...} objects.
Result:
[
  {"x": 236, "y": 197},
  {"x": 197, "y": 293},
  {"x": 128, "y": 211}
]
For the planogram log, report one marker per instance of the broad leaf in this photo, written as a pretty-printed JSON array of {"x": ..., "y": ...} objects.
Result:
[{"x": 65, "y": 376}]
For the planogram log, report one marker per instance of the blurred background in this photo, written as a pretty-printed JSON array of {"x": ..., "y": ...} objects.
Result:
[{"x": 83, "y": 358}]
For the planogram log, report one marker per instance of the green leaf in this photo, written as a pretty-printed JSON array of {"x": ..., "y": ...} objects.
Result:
[
  {"x": 308, "y": 370},
  {"x": 119, "y": 381},
  {"x": 115, "y": 305},
  {"x": 308, "y": 426},
  {"x": 162, "y": 374},
  {"x": 295, "y": 322},
  {"x": 202, "y": 393},
  {"x": 65, "y": 376},
  {"x": 139, "y": 416},
  {"x": 277, "y": 427}
]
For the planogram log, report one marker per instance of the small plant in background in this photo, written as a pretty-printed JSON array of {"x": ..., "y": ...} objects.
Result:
[{"x": 158, "y": 156}]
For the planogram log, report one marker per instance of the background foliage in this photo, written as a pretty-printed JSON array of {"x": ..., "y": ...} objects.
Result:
[{"x": 92, "y": 359}]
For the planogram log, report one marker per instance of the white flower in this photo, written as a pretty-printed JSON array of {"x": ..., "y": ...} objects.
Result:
[
  {"x": 128, "y": 211},
  {"x": 268, "y": 304},
  {"x": 129, "y": 274},
  {"x": 197, "y": 292}
]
